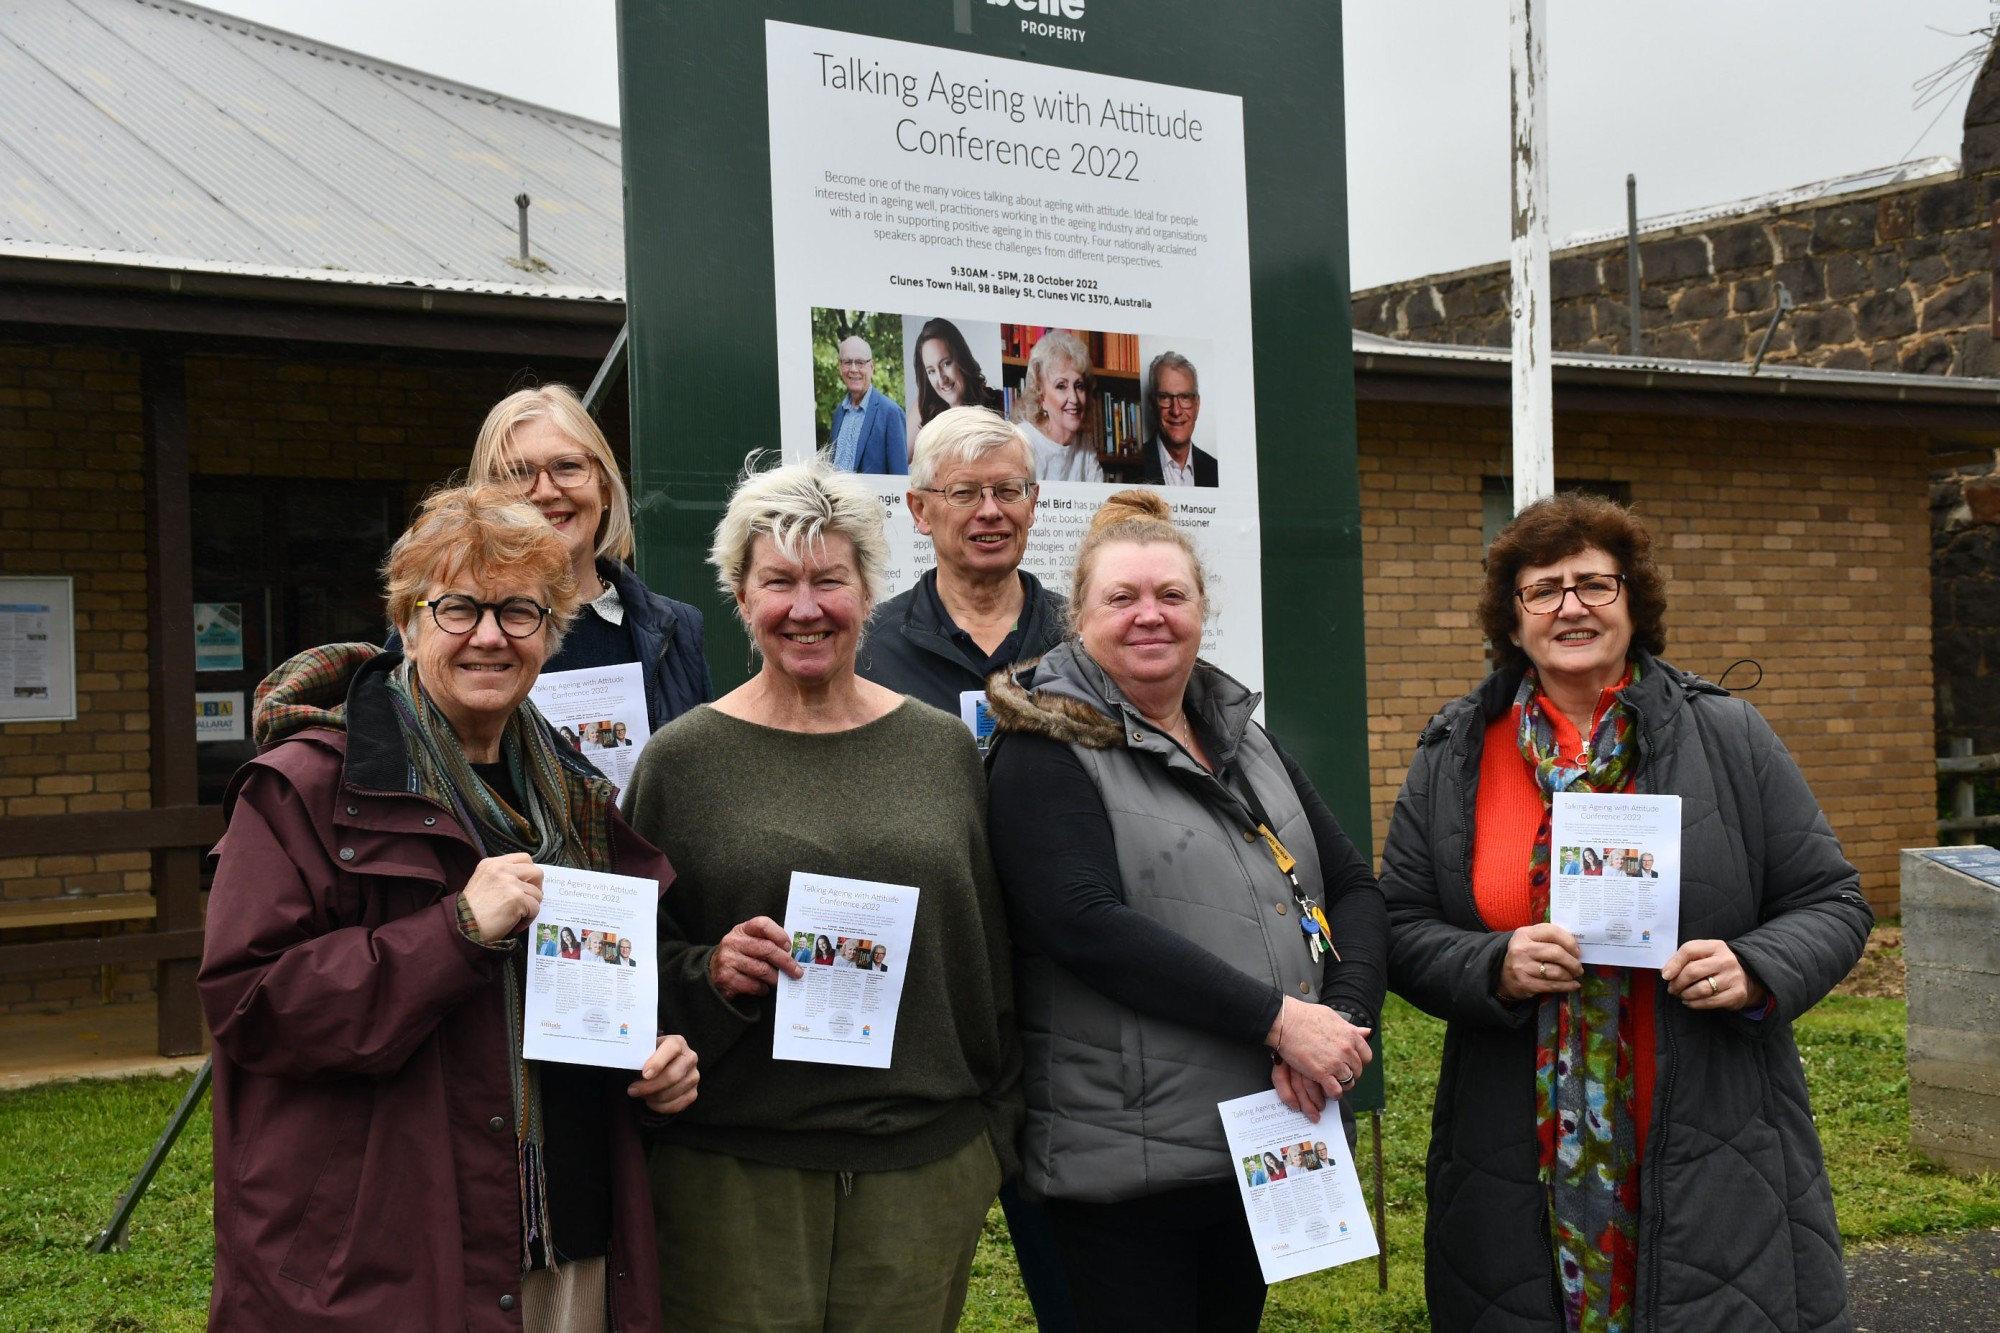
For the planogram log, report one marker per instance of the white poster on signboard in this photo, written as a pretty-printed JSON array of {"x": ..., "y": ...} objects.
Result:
[
  {"x": 37, "y": 649},
  {"x": 956, "y": 212}
]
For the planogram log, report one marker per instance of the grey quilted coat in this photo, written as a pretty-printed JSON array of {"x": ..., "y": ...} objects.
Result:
[{"x": 1736, "y": 1223}]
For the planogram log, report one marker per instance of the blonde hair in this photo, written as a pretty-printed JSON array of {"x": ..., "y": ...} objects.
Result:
[
  {"x": 489, "y": 533},
  {"x": 798, "y": 507},
  {"x": 1138, "y": 517},
  {"x": 1055, "y": 345},
  {"x": 558, "y": 405},
  {"x": 964, "y": 435}
]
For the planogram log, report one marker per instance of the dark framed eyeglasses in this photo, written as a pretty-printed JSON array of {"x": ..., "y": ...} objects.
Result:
[
  {"x": 1179, "y": 401},
  {"x": 568, "y": 472},
  {"x": 1545, "y": 599},
  {"x": 1008, "y": 491},
  {"x": 517, "y": 617}
]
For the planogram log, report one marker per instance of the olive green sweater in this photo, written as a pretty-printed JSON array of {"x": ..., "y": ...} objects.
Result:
[{"x": 737, "y": 807}]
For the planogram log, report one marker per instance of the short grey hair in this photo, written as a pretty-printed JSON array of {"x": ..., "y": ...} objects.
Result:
[
  {"x": 798, "y": 507},
  {"x": 962, "y": 435},
  {"x": 1165, "y": 361}
]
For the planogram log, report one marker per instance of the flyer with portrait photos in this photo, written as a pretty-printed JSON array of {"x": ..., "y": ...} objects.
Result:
[
  {"x": 593, "y": 994},
  {"x": 1299, "y": 1188},
  {"x": 1617, "y": 881},
  {"x": 852, "y": 938}
]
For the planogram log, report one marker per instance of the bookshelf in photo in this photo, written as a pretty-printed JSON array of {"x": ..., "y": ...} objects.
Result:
[{"x": 1116, "y": 417}]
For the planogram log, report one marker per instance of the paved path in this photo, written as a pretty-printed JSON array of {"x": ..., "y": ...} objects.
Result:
[{"x": 1950, "y": 1285}]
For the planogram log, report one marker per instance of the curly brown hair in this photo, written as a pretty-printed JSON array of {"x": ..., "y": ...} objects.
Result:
[{"x": 1555, "y": 528}]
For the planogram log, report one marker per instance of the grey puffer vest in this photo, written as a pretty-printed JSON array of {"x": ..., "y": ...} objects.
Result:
[{"x": 1122, "y": 1104}]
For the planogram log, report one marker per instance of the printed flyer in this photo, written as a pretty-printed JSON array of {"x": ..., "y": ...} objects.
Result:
[
  {"x": 852, "y": 937},
  {"x": 1068, "y": 249},
  {"x": 1299, "y": 1188},
  {"x": 593, "y": 979},
  {"x": 600, "y": 712},
  {"x": 1617, "y": 886}
]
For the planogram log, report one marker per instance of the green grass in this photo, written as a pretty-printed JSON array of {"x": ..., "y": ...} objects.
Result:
[{"x": 67, "y": 1150}]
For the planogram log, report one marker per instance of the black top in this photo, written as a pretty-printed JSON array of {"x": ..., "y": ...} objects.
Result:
[
  {"x": 982, "y": 662},
  {"x": 1053, "y": 845},
  {"x": 576, "y": 1133},
  {"x": 592, "y": 642},
  {"x": 914, "y": 648}
]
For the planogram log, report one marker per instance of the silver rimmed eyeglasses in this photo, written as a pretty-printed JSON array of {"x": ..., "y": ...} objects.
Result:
[{"x": 1008, "y": 491}]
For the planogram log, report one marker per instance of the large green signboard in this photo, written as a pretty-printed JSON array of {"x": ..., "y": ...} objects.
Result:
[{"x": 962, "y": 200}]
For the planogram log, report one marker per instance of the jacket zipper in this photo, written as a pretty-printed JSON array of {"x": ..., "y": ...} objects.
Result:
[{"x": 1663, "y": 1088}]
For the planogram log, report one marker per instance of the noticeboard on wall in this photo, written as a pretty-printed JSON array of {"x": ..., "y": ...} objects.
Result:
[{"x": 37, "y": 649}]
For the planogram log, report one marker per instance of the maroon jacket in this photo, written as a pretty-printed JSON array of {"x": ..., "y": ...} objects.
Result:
[{"x": 365, "y": 1170}]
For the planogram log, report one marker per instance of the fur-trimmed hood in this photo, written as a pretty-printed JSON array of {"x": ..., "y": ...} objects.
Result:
[{"x": 1067, "y": 697}]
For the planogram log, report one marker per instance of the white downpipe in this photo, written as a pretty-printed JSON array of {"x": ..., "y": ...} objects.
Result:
[{"x": 1534, "y": 408}]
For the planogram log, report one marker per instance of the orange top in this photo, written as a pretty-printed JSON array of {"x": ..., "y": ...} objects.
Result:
[{"x": 1507, "y": 817}]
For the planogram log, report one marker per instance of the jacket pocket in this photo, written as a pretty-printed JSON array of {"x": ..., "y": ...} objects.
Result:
[
  {"x": 329, "y": 1211},
  {"x": 1131, "y": 1059}
]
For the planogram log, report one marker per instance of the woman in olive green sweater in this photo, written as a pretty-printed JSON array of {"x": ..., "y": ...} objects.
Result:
[{"x": 801, "y": 1194}]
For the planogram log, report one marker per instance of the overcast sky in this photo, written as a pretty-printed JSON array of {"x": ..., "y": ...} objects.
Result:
[{"x": 1706, "y": 100}]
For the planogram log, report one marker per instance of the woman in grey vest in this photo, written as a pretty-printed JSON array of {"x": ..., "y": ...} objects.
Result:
[{"x": 1190, "y": 924}]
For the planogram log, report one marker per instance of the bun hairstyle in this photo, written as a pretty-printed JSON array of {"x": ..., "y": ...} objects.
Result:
[{"x": 1142, "y": 518}]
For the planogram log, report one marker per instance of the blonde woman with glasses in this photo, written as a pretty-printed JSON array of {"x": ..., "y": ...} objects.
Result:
[{"x": 542, "y": 445}]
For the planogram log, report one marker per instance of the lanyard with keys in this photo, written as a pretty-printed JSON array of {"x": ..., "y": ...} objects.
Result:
[{"x": 1312, "y": 921}]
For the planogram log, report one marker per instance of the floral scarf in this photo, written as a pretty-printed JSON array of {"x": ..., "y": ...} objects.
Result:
[
  {"x": 1584, "y": 1053},
  {"x": 567, "y": 822}
]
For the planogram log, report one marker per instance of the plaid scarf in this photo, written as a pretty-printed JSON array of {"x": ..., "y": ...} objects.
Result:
[
  {"x": 1583, "y": 1053},
  {"x": 567, "y": 822}
]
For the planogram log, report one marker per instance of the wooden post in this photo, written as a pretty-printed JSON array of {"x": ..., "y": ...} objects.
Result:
[
  {"x": 1534, "y": 413},
  {"x": 170, "y": 650}
]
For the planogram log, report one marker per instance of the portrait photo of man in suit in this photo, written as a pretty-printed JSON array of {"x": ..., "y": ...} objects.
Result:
[{"x": 1172, "y": 406}]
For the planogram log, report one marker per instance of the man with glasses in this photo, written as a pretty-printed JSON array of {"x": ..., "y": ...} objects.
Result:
[
  {"x": 972, "y": 492},
  {"x": 868, "y": 429},
  {"x": 1173, "y": 403}
]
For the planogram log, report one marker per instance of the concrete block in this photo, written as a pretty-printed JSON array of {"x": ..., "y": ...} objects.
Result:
[{"x": 1951, "y": 949}]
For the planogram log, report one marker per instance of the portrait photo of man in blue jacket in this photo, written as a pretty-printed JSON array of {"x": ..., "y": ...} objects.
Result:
[{"x": 868, "y": 430}]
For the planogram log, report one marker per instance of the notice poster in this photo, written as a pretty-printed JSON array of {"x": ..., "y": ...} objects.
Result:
[
  {"x": 1299, "y": 1188},
  {"x": 218, "y": 636},
  {"x": 952, "y": 228},
  {"x": 218, "y": 716},
  {"x": 852, "y": 937},
  {"x": 593, "y": 979},
  {"x": 1617, "y": 886},
  {"x": 600, "y": 712},
  {"x": 37, "y": 649}
]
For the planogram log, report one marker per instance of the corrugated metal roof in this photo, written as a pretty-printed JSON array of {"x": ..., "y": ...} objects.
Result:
[{"x": 148, "y": 132}]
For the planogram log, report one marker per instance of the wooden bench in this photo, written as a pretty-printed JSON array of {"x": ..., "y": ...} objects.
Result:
[{"x": 78, "y": 909}]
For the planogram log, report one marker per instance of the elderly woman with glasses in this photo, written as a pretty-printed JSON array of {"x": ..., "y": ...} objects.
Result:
[
  {"x": 384, "y": 1156},
  {"x": 543, "y": 445},
  {"x": 1054, "y": 409},
  {"x": 805, "y": 1195},
  {"x": 1615, "y": 1147}
]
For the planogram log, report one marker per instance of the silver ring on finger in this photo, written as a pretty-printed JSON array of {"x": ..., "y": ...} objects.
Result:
[
  {"x": 1712, "y": 990},
  {"x": 1346, "y": 1082}
]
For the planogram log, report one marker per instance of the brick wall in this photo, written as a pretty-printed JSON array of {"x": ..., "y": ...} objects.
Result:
[
  {"x": 72, "y": 501},
  {"x": 1806, "y": 549}
]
